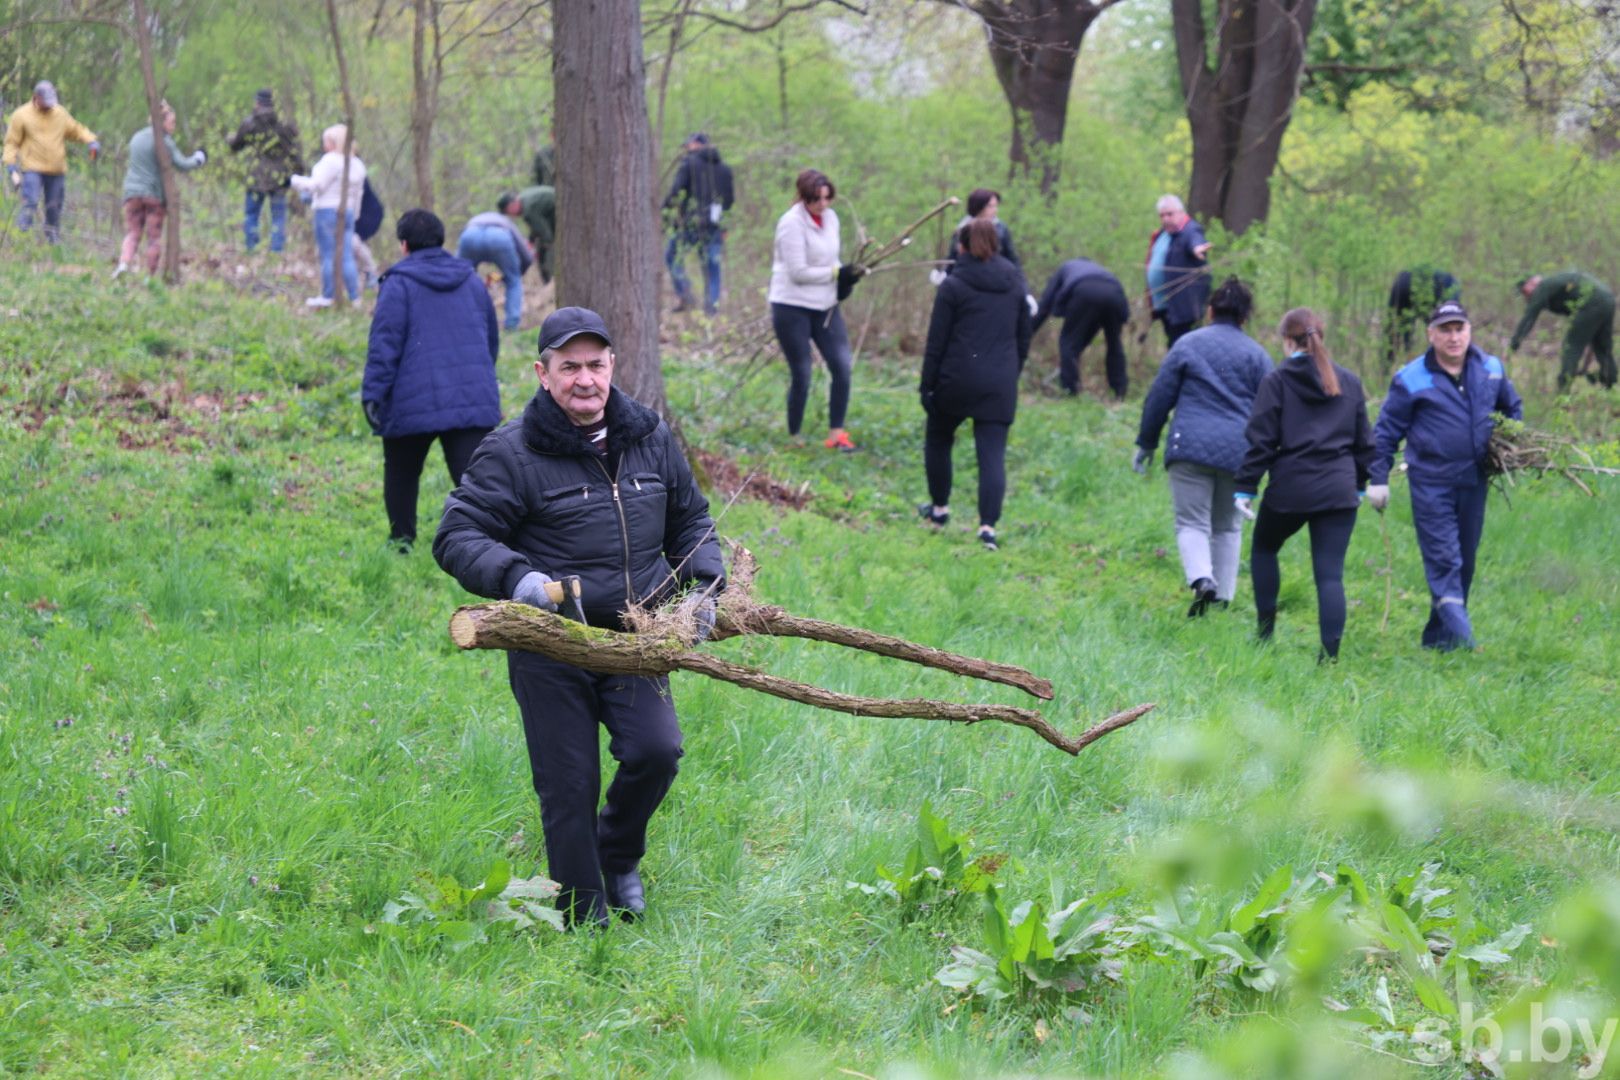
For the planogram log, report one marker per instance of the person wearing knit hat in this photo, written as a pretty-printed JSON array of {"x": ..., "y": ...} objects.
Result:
[
  {"x": 274, "y": 158},
  {"x": 35, "y": 156}
]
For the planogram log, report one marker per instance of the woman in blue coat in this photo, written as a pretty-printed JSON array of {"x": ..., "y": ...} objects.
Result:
[{"x": 430, "y": 366}]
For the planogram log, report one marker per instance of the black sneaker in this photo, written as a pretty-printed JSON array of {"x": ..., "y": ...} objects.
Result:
[
  {"x": 926, "y": 512},
  {"x": 1265, "y": 625},
  {"x": 987, "y": 537},
  {"x": 1203, "y": 596}
]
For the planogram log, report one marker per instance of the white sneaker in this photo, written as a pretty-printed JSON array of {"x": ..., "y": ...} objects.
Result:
[
  {"x": 318, "y": 301},
  {"x": 123, "y": 268}
]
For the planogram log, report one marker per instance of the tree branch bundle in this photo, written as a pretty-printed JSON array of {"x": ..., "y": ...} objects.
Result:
[
  {"x": 662, "y": 641},
  {"x": 1515, "y": 448}
]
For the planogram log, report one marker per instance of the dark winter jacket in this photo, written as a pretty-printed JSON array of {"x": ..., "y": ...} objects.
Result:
[
  {"x": 1080, "y": 283},
  {"x": 1446, "y": 428},
  {"x": 434, "y": 339},
  {"x": 1209, "y": 378},
  {"x": 1187, "y": 275},
  {"x": 978, "y": 339},
  {"x": 1003, "y": 239},
  {"x": 1433, "y": 286},
  {"x": 274, "y": 146},
  {"x": 701, "y": 180},
  {"x": 536, "y": 496},
  {"x": 1317, "y": 448}
]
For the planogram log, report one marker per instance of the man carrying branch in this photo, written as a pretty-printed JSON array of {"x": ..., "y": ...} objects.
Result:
[{"x": 587, "y": 482}]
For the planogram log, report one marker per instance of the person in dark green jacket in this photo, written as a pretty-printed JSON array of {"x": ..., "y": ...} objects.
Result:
[
  {"x": 537, "y": 206},
  {"x": 1591, "y": 309}
]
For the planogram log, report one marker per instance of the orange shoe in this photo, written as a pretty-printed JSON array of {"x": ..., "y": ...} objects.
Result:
[{"x": 839, "y": 440}]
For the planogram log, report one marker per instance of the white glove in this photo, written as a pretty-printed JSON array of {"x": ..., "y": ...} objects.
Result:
[
  {"x": 531, "y": 590},
  {"x": 201, "y": 155},
  {"x": 937, "y": 276},
  {"x": 1244, "y": 505},
  {"x": 1034, "y": 304},
  {"x": 1378, "y": 496}
]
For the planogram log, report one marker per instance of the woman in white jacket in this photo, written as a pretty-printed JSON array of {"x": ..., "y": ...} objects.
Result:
[
  {"x": 323, "y": 186},
  {"x": 804, "y": 303}
]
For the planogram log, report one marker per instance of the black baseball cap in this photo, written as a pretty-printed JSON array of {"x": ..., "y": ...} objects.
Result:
[
  {"x": 1448, "y": 311},
  {"x": 699, "y": 137},
  {"x": 566, "y": 324}
]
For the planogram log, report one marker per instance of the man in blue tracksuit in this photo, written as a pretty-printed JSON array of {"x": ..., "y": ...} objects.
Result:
[{"x": 1440, "y": 405}]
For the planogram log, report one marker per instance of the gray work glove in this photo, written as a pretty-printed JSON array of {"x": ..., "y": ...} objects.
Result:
[
  {"x": 1378, "y": 496},
  {"x": 1140, "y": 463},
  {"x": 531, "y": 590},
  {"x": 703, "y": 617}
]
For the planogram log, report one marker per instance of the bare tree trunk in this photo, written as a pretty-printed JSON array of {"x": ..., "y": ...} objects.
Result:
[
  {"x": 676, "y": 28},
  {"x": 154, "y": 109},
  {"x": 424, "y": 100},
  {"x": 339, "y": 294},
  {"x": 1034, "y": 45},
  {"x": 1239, "y": 112},
  {"x": 607, "y": 216}
]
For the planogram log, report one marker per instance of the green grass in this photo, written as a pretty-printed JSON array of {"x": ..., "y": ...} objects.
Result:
[{"x": 271, "y": 734}]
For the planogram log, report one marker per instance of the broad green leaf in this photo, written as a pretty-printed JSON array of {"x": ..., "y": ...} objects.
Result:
[
  {"x": 1272, "y": 890},
  {"x": 1349, "y": 875},
  {"x": 1499, "y": 951},
  {"x": 1382, "y": 1003},
  {"x": 495, "y": 879},
  {"x": 1433, "y": 995}
]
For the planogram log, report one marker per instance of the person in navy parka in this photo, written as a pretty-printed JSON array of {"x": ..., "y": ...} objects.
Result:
[
  {"x": 1440, "y": 405},
  {"x": 430, "y": 366}
]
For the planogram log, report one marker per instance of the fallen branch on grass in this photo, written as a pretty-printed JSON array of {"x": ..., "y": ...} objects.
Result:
[
  {"x": 1516, "y": 448},
  {"x": 661, "y": 645}
]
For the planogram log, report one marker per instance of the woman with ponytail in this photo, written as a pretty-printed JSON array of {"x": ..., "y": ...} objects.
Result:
[{"x": 1309, "y": 430}]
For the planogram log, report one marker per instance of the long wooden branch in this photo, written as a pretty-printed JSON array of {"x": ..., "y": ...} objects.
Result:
[{"x": 508, "y": 625}]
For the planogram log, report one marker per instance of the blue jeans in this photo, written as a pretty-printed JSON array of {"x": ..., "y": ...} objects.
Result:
[
  {"x": 493, "y": 244},
  {"x": 278, "y": 219},
  {"x": 326, "y": 243},
  {"x": 54, "y": 190},
  {"x": 711, "y": 246}
]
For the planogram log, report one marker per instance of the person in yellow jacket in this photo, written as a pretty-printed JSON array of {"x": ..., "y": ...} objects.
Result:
[{"x": 36, "y": 156}]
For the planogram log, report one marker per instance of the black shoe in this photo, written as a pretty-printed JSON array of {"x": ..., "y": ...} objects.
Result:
[
  {"x": 1266, "y": 623},
  {"x": 1203, "y": 596},
  {"x": 1329, "y": 653},
  {"x": 625, "y": 894},
  {"x": 926, "y": 512},
  {"x": 987, "y": 537}
]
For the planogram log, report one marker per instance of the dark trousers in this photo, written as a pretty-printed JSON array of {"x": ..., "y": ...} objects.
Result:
[
  {"x": 1449, "y": 522},
  {"x": 796, "y": 329},
  {"x": 1592, "y": 326},
  {"x": 989, "y": 442},
  {"x": 403, "y": 458},
  {"x": 1090, "y": 311},
  {"x": 1330, "y": 539},
  {"x": 562, "y": 706},
  {"x": 1174, "y": 331}
]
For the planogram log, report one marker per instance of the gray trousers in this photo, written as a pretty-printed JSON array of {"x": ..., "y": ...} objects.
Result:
[{"x": 1209, "y": 530}]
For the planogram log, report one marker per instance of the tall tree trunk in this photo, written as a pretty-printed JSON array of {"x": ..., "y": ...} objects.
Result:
[
  {"x": 1239, "y": 111},
  {"x": 607, "y": 217},
  {"x": 424, "y": 100},
  {"x": 1034, "y": 45},
  {"x": 339, "y": 294},
  {"x": 166, "y": 176}
]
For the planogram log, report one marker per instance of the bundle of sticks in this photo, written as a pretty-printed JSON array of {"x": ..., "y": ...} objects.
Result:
[
  {"x": 1517, "y": 448},
  {"x": 869, "y": 253}
]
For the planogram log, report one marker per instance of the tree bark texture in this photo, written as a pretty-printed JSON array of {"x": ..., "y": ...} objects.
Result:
[
  {"x": 1239, "y": 109},
  {"x": 154, "y": 108},
  {"x": 1034, "y": 45},
  {"x": 608, "y": 256},
  {"x": 508, "y": 625},
  {"x": 339, "y": 295}
]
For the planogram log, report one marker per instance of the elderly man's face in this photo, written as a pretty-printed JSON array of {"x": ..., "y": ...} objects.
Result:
[
  {"x": 1450, "y": 341},
  {"x": 1173, "y": 219},
  {"x": 578, "y": 378},
  {"x": 41, "y": 104}
]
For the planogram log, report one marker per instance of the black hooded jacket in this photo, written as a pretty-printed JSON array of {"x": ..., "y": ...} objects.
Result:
[
  {"x": 978, "y": 339},
  {"x": 1317, "y": 448},
  {"x": 701, "y": 180},
  {"x": 536, "y": 496}
]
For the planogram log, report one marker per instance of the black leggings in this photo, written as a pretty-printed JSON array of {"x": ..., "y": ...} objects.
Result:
[
  {"x": 403, "y": 458},
  {"x": 1330, "y": 539},
  {"x": 796, "y": 328},
  {"x": 990, "y": 442}
]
